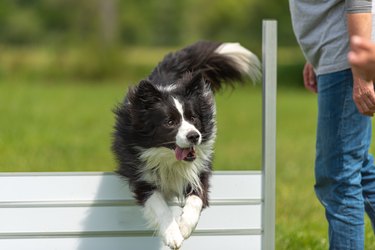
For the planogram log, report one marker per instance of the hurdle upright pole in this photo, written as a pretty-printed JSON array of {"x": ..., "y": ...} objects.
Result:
[{"x": 269, "y": 67}]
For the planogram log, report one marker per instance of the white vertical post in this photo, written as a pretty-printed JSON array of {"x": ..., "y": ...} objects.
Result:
[{"x": 269, "y": 49}]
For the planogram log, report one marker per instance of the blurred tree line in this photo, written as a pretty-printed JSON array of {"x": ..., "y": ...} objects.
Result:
[
  {"x": 101, "y": 27},
  {"x": 141, "y": 22}
]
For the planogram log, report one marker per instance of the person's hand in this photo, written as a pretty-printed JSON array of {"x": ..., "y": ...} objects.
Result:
[
  {"x": 309, "y": 78},
  {"x": 362, "y": 59},
  {"x": 364, "y": 95}
]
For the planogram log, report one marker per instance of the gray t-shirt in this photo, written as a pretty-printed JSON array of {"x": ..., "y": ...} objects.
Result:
[{"x": 321, "y": 30}]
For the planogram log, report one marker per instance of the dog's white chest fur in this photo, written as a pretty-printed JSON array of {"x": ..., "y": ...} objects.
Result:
[{"x": 173, "y": 177}]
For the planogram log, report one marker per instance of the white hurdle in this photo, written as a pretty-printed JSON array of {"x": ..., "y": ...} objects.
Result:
[
  {"x": 269, "y": 48},
  {"x": 96, "y": 211}
]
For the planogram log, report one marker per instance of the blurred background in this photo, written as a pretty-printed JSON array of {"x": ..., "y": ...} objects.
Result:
[
  {"x": 64, "y": 65},
  {"x": 98, "y": 39}
]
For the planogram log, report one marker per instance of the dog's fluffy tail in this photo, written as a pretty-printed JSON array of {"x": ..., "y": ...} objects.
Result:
[
  {"x": 240, "y": 59},
  {"x": 219, "y": 63}
]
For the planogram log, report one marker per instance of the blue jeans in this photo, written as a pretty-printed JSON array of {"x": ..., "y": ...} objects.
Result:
[{"x": 344, "y": 170}]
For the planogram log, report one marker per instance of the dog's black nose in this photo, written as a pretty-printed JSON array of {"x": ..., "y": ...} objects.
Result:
[{"x": 193, "y": 137}]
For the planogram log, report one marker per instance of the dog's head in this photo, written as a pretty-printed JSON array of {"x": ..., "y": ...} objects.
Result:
[{"x": 178, "y": 116}]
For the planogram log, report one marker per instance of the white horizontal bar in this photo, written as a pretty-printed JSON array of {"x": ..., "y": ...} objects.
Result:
[
  {"x": 239, "y": 242},
  {"x": 102, "y": 187},
  {"x": 91, "y": 219}
]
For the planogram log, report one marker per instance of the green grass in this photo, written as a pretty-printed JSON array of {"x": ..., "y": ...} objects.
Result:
[
  {"x": 67, "y": 127},
  {"x": 56, "y": 127}
]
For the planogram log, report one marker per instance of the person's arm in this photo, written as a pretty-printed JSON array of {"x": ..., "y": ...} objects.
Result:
[
  {"x": 362, "y": 57},
  {"x": 360, "y": 24}
]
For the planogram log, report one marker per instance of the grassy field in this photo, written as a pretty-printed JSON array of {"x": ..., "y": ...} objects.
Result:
[{"x": 66, "y": 126}]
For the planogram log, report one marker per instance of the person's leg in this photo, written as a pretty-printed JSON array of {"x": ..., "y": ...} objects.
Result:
[
  {"x": 340, "y": 156},
  {"x": 368, "y": 182}
]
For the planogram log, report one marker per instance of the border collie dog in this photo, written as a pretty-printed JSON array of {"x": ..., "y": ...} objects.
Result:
[{"x": 165, "y": 131}]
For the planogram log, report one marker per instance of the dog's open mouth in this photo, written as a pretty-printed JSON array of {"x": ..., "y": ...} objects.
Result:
[{"x": 186, "y": 154}]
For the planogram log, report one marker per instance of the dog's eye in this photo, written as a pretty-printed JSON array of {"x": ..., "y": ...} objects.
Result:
[{"x": 170, "y": 122}]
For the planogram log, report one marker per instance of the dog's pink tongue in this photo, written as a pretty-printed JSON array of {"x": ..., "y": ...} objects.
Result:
[{"x": 181, "y": 153}]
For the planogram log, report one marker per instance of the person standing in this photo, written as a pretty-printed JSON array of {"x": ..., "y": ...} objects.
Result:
[{"x": 344, "y": 169}]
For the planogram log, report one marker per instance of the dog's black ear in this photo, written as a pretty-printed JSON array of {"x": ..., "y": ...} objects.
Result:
[{"x": 144, "y": 94}]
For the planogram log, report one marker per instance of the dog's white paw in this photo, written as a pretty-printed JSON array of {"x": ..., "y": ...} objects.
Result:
[
  {"x": 172, "y": 236},
  {"x": 190, "y": 215},
  {"x": 187, "y": 225}
]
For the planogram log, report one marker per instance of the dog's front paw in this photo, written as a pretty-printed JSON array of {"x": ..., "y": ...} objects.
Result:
[
  {"x": 187, "y": 225},
  {"x": 172, "y": 236},
  {"x": 190, "y": 215}
]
